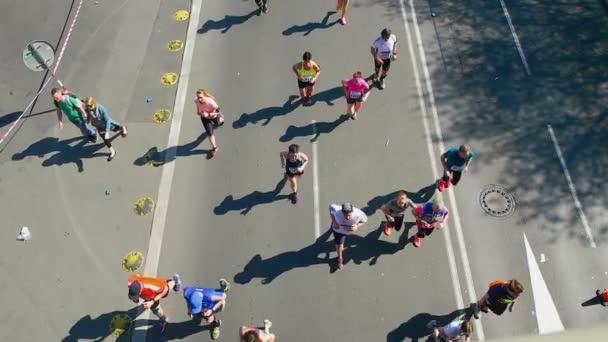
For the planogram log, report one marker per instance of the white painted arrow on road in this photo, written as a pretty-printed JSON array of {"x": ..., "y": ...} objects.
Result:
[{"x": 547, "y": 316}]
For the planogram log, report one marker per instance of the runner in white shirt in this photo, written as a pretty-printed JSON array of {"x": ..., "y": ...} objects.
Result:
[
  {"x": 452, "y": 331},
  {"x": 345, "y": 220},
  {"x": 384, "y": 50}
]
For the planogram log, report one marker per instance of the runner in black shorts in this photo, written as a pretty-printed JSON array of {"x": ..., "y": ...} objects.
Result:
[
  {"x": 307, "y": 71},
  {"x": 294, "y": 163},
  {"x": 384, "y": 50},
  {"x": 209, "y": 111}
]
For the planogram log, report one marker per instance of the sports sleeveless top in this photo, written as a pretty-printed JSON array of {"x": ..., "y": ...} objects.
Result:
[
  {"x": 307, "y": 74},
  {"x": 293, "y": 166},
  {"x": 150, "y": 286}
]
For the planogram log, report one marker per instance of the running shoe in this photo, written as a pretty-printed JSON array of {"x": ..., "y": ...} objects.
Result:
[
  {"x": 294, "y": 198},
  {"x": 267, "y": 324},
  {"x": 387, "y": 229},
  {"x": 215, "y": 329},
  {"x": 259, "y": 12},
  {"x": 265, "y": 9},
  {"x": 124, "y": 132},
  {"x": 214, "y": 151},
  {"x": 340, "y": 265},
  {"x": 178, "y": 283},
  {"x": 224, "y": 285},
  {"x": 382, "y": 84},
  {"x": 343, "y": 21},
  {"x": 354, "y": 116},
  {"x": 441, "y": 186},
  {"x": 162, "y": 324},
  {"x": 417, "y": 241}
]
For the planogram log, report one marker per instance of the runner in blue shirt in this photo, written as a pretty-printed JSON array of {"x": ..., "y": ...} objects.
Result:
[
  {"x": 455, "y": 161},
  {"x": 204, "y": 303},
  {"x": 429, "y": 216}
]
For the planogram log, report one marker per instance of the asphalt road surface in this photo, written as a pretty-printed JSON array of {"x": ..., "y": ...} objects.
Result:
[{"x": 524, "y": 83}]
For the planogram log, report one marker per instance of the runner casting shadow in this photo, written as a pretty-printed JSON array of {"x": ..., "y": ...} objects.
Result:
[
  {"x": 357, "y": 249},
  {"x": 267, "y": 113},
  {"x": 97, "y": 329},
  {"x": 159, "y": 158},
  {"x": 311, "y": 26},
  {"x": 66, "y": 153},
  {"x": 269, "y": 269},
  {"x": 421, "y": 196},
  {"x": 315, "y": 129},
  {"x": 416, "y": 330},
  {"x": 246, "y": 203},
  {"x": 225, "y": 24}
]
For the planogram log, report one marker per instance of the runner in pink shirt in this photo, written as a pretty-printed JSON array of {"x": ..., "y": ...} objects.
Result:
[
  {"x": 355, "y": 90},
  {"x": 209, "y": 112}
]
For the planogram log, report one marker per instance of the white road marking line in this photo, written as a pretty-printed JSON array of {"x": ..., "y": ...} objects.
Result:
[
  {"x": 448, "y": 240},
  {"x": 547, "y": 316},
  {"x": 464, "y": 258},
  {"x": 315, "y": 181},
  {"x": 164, "y": 190},
  {"x": 577, "y": 203},
  {"x": 515, "y": 38}
]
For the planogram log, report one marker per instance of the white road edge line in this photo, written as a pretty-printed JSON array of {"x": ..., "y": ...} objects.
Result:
[
  {"x": 547, "y": 316},
  {"x": 577, "y": 203},
  {"x": 464, "y": 258},
  {"x": 448, "y": 240},
  {"x": 515, "y": 38},
  {"x": 164, "y": 190},
  {"x": 315, "y": 182}
]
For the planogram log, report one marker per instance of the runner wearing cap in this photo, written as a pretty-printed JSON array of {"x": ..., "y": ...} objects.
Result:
[
  {"x": 345, "y": 220},
  {"x": 151, "y": 290},
  {"x": 204, "y": 303},
  {"x": 394, "y": 211},
  {"x": 429, "y": 216}
]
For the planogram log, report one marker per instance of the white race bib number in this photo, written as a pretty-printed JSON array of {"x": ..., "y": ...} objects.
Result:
[
  {"x": 385, "y": 55},
  {"x": 355, "y": 94},
  {"x": 294, "y": 170},
  {"x": 307, "y": 78},
  {"x": 456, "y": 168}
]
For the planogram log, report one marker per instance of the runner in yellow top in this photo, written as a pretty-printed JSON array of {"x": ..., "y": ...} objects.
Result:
[{"x": 307, "y": 72}]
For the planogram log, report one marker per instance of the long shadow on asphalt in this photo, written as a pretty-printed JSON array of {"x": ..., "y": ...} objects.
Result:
[
  {"x": 225, "y": 24},
  {"x": 159, "y": 158},
  {"x": 247, "y": 202},
  {"x": 415, "y": 329},
  {"x": 177, "y": 331},
  {"x": 357, "y": 249},
  {"x": 9, "y": 118},
  {"x": 268, "y": 113},
  {"x": 65, "y": 152},
  {"x": 311, "y": 26},
  {"x": 421, "y": 196},
  {"x": 97, "y": 329},
  {"x": 315, "y": 129}
]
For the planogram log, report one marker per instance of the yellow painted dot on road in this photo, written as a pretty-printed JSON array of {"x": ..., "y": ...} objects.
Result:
[
  {"x": 175, "y": 45},
  {"x": 143, "y": 206},
  {"x": 120, "y": 324},
  {"x": 168, "y": 79},
  {"x": 133, "y": 261},
  {"x": 162, "y": 115},
  {"x": 181, "y": 15}
]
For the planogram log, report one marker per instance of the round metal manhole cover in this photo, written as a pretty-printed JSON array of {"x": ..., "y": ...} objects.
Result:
[{"x": 496, "y": 201}]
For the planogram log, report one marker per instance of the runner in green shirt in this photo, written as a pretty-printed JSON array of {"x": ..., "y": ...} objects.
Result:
[{"x": 73, "y": 109}]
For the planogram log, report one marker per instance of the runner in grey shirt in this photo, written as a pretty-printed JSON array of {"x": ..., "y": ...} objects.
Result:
[{"x": 394, "y": 211}]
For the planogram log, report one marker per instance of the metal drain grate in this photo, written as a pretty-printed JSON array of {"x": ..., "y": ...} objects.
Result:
[{"x": 496, "y": 201}]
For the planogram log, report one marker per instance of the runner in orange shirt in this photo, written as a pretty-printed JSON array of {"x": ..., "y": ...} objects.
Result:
[{"x": 151, "y": 290}]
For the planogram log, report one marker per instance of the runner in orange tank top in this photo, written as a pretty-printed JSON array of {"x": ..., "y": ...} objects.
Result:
[{"x": 151, "y": 290}]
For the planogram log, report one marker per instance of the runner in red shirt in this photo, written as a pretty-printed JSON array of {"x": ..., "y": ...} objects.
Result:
[{"x": 151, "y": 290}]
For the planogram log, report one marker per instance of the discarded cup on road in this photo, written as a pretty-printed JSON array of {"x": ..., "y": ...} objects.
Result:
[{"x": 24, "y": 234}]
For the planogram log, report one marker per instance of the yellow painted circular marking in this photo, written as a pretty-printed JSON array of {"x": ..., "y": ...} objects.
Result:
[
  {"x": 120, "y": 324},
  {"x": 175, "y": 45},
  {"x": 143, "y": 206},
  {"x": 162, "y": 115},
  {"x": 133, "y": 261},
  {"x": 181, "y": 15},
  {"x": 168, "y": 79}
]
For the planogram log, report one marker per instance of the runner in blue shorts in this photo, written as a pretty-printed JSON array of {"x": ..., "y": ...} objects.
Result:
[{"x": 204, "y": 303}]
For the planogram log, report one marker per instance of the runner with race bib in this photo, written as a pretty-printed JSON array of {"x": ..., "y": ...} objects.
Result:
[
  {"x": 307, "y": 72},
  {"x": 294, "y": 163},
  {"x": 356, "y": 90},
  {"x": 384, "y": 50},
  {"x": 455, "y": 161}
]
